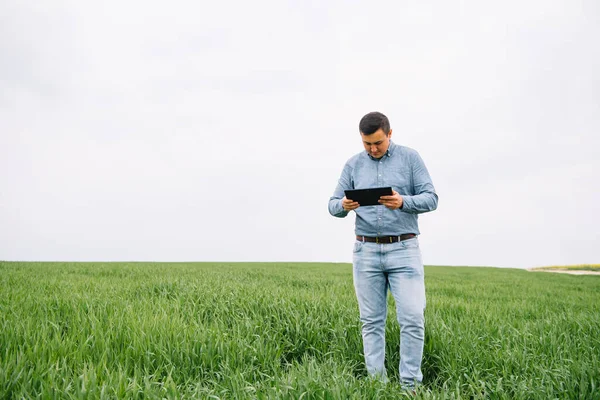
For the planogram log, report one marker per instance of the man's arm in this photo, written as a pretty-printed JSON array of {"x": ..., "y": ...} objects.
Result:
[
  {"x": 338, "y": 200},
  {"x": 425, "y": 198}
]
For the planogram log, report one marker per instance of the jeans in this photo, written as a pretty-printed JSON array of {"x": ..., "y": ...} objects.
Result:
[{"x": 398, "y": 266}]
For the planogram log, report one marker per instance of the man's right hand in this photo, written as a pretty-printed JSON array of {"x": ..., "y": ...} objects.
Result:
[{"x": 349, "y": 205}]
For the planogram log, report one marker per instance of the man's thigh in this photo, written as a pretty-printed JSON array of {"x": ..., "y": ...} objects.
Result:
[
  {"x": 406, "y": 278},
  {"x": 370, "y": 281}
]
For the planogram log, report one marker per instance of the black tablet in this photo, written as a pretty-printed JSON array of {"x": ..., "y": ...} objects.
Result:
[{"x": 368, "y": 197}]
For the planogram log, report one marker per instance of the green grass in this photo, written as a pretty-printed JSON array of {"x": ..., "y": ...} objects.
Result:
[
  {"x": 202, "y": 330},
  {"x": 581, "y": 267}
]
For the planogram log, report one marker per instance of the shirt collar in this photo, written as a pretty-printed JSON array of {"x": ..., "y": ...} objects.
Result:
[{"x": 390, "y": 149}]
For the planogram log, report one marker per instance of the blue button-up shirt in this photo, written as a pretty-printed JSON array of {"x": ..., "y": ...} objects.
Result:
[{"x": 401, "y": 168}]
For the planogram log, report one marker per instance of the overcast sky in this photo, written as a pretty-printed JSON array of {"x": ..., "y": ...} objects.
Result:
[{"x": 217, "y": 131}]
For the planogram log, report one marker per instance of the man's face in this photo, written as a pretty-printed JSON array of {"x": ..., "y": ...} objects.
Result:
[{"x": 377, "y": 143}]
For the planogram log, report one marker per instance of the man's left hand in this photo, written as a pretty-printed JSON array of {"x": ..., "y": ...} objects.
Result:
[{"x": 392, "y": 202}]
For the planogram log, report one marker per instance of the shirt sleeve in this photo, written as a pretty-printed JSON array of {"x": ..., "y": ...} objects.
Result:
[
  {"x": 425, "y": 199},
  {"x": 335, "y": 201}
]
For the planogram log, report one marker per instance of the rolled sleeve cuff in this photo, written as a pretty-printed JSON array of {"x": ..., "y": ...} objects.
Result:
[
  {"x": 407, "y": 204},
  {"x": 337, "y": 209}
]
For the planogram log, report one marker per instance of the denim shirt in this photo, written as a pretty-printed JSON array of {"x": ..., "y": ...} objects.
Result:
[{"x": 401, "y": 168}]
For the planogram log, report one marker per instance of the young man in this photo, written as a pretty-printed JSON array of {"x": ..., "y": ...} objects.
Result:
[{"x": 386, "y": 250}]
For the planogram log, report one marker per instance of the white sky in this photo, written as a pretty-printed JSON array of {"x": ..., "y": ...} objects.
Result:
[{"x": 216, "y": 131}]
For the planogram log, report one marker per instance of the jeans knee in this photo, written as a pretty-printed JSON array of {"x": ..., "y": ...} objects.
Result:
[
  {"x": 411, "y": 321},
  {"x": 372, "y": 324}
]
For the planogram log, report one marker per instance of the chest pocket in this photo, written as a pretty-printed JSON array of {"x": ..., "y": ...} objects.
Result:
[{"x": 401, "y": 180}]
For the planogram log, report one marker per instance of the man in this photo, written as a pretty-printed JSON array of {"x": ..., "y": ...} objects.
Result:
[{"x": 386, "y": 250}]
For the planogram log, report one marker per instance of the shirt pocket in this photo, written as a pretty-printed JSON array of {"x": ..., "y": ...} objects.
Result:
[{"x": 401, "y": 180}]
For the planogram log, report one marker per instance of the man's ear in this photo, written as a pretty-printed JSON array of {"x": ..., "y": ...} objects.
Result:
[{"x": 389, "y": 135}]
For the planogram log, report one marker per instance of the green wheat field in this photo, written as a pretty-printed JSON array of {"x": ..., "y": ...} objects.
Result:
[{"x": 286, "y": 331}]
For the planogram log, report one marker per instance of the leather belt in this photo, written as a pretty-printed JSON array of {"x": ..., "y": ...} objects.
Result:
[{"x": 385, "y": 239}]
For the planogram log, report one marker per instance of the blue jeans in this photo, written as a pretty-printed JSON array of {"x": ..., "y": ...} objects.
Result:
[{"x": 398, "y": 266}]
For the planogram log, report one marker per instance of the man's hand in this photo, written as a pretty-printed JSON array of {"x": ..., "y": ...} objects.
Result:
[
  {"x": 349, "y": 205},
  {"x": 392, "y": 202}
]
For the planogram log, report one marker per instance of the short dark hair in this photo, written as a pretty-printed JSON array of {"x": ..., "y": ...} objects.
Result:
[{"x": 372, "y": 122}]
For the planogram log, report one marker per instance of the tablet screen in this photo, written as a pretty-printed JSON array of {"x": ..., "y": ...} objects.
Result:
[{"x": 368, "y": 197}]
